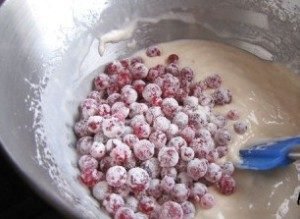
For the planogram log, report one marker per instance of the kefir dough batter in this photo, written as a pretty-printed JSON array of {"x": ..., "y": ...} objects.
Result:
[{"x": 268, "y": 99}]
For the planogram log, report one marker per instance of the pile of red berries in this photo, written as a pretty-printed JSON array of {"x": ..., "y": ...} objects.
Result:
[{"x": 149, "y": 141}]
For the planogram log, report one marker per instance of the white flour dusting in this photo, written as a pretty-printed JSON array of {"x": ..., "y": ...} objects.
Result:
[{"x": 283, "y": 209}]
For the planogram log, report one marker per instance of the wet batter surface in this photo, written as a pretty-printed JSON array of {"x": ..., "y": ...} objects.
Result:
[{"x": 267, "y": 97}]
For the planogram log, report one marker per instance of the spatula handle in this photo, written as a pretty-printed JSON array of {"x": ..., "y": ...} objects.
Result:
[{"x": 294, "y": 154}]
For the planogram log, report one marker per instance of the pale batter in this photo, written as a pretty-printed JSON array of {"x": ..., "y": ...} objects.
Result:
[{"x": 267, "y": 96}]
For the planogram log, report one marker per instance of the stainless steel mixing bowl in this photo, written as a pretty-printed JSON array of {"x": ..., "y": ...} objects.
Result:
[{"x": 48, "y": 48}]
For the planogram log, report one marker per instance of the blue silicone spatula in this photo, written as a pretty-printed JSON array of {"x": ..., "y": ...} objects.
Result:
[{"x": 270, "y": 155}]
